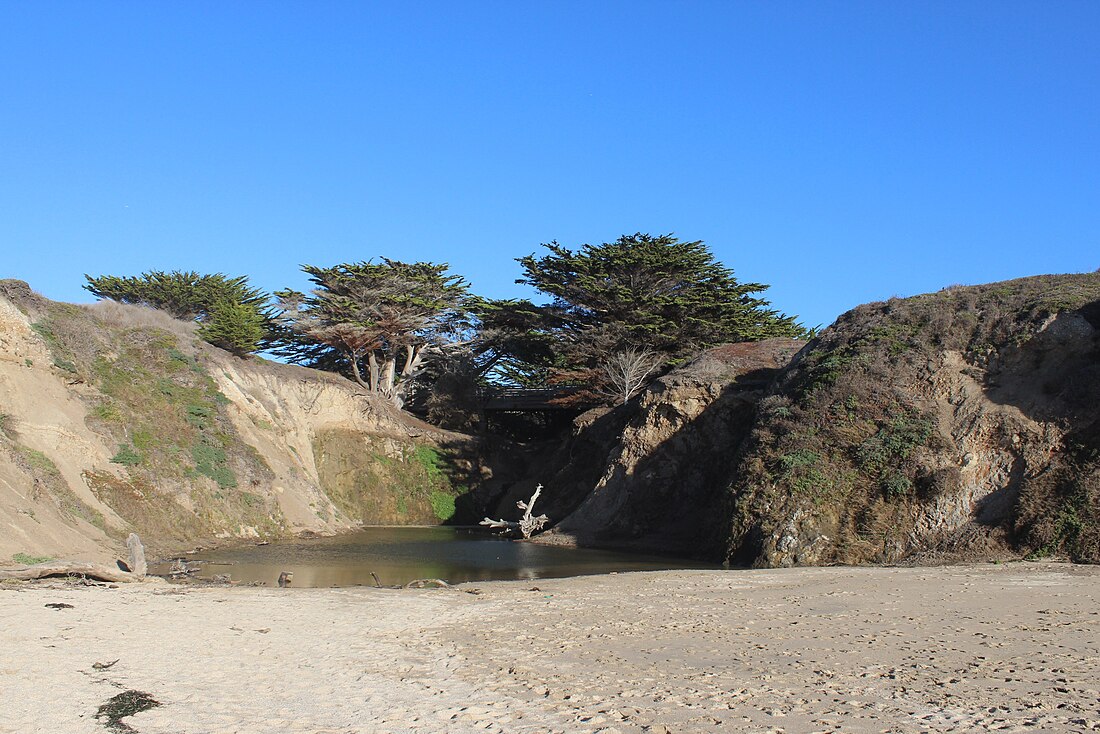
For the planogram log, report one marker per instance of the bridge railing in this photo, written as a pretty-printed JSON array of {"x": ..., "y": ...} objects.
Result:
[{"x": 521, "y": 400}]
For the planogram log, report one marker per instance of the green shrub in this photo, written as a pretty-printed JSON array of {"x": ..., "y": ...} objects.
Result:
[
  {"x": 443, "y": 505},
  {"x": 430, "y": 459},
  {"x": 107, "y": 412},
  {"x": 896, "y": 486},
  {"x": 44, "y": 330},
  {"x": 39, "y": 460},
  {"x": 221, "y": 474},
  {"x": 199, "y": 415},
  {"x": 143, "y": 439},
  {"x": 178, "y": 361},
  {"x": 28, "y": 560},
  {"x": 65, "y": 365},
  {"x": 126, "y": 456},
  {"x": 210, "y": 462},
  {"x": 798, "y": 459},
  {"x": 894, "y": 442},
  {"x": 204, "y": 453}
]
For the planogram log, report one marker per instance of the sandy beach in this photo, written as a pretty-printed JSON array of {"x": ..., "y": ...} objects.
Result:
[{"x": 1013, "y": 647}]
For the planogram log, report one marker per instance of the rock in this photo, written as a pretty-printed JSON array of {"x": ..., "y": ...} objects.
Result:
[{"x": 137, "y": 563}]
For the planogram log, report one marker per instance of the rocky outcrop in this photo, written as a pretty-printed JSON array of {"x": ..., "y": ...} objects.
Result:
[
  {"x": 652, "y": 470},
  {"x": 960, "y": 425}
]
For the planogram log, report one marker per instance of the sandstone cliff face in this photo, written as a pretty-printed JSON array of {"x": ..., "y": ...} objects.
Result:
[
  {"x": 44, "y": 504},
  {"x": 116, "y": 418}
]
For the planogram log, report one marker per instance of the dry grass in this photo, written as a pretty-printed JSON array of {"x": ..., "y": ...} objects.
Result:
[{"x": 124, "y": 316}]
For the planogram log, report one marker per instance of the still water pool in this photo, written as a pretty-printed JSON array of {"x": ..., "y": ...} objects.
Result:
[{"x": 400, "y": 555}]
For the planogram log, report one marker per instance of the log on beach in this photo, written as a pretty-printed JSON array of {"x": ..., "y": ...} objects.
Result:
[{"x": 95, "y": 571}]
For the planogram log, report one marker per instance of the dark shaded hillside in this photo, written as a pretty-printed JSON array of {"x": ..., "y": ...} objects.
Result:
[{"x": 648, "y": 474}]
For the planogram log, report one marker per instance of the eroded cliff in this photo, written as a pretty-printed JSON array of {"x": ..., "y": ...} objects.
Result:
[
  {"x": 648, "y": 472},
  {"x": 958, "y": 425},
  {"x": 116, "y": 418}
]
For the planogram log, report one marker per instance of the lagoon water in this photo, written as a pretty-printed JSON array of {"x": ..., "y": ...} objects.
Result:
[{"x": 400, "y": 555}]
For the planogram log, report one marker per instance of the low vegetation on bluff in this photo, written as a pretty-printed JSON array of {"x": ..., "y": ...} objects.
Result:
[{"x": 947, "y": 423}]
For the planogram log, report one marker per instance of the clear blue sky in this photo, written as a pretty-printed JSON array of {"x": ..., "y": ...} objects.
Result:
[{"x": 840, "y": 151}]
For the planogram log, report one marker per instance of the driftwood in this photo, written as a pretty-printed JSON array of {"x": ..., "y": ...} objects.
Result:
[
  {"x": 182, "y": 569},
  {"x": 527, "y": 525},
  {"x": 133, "y": 570},
  {"x": 95, "y": 571},
  {"x": 421, "y": 583}
]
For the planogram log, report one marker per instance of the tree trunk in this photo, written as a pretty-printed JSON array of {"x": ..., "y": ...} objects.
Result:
[
  {"x": 354, "y": 359},
  {"x": 414, "y": 359},
  {"x": 389, "y": 368},
  {"x": 372, "y": 362}
]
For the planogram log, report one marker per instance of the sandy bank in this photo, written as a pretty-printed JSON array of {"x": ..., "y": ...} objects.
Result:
[{"x": 1013, "y": 647}]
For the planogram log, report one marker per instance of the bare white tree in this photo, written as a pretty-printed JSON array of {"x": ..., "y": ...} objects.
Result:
[
  {"x": 626, "y": 371},
  {"x": 528, "y": 524}
]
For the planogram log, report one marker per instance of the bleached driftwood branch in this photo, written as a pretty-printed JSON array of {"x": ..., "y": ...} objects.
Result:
[
  {"x": 528, "y": 525},
  {"x": 68, "y": 568},
  {"x": 136, "y": 565}
]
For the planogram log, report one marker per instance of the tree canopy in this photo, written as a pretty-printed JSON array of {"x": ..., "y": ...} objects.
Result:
[
  {"x": 619, "y": 313},
  {"x": 645, "y": 292},
  {"x": 231, "y": 314},
  {"x": 372, "y": 317},
  {"x": 513, "y": 343}
]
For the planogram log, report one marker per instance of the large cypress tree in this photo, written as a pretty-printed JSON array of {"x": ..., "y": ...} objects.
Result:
[
  {"x": 645, "y": 292},
  {"x": 380, "y": 320}
]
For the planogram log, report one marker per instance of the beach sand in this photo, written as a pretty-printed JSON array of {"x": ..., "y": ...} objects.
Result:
[{"x": 1012, "y": 647}]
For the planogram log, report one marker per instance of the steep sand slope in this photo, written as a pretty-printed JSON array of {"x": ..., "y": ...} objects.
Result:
[{"x": 116, "y": 418}]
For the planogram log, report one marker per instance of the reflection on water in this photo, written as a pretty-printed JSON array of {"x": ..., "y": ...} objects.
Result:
[{"x": 400, "y": 555}]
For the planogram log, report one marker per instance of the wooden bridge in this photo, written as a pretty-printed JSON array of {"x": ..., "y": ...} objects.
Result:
[
  {"x": 526, "y": 400},
  {"x": 527, "y": 414}
]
